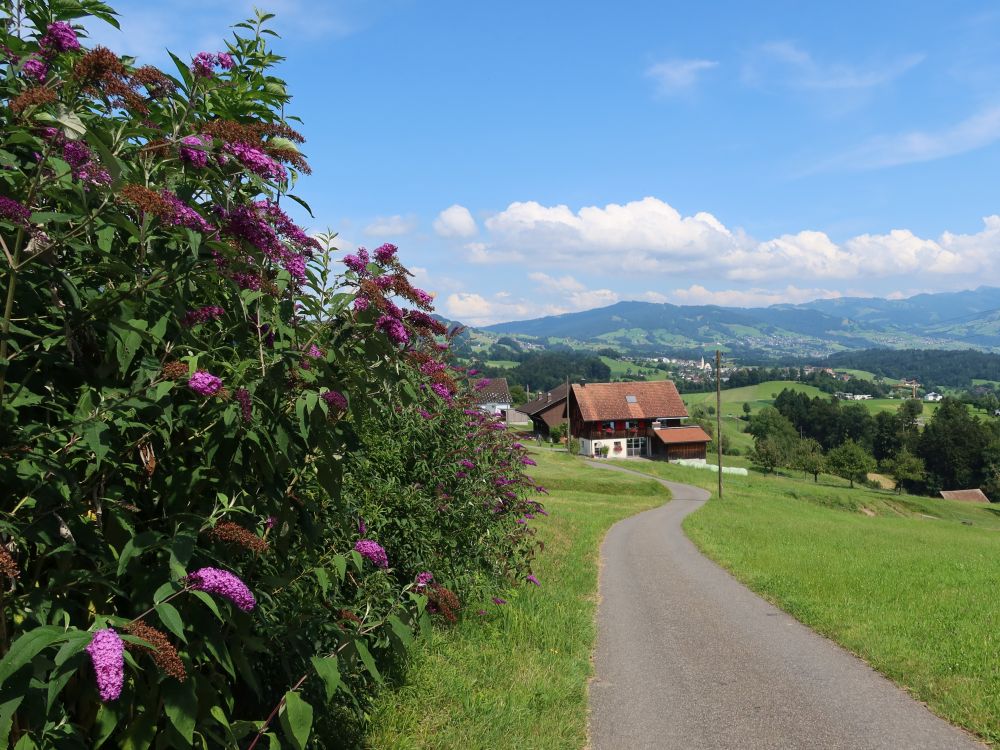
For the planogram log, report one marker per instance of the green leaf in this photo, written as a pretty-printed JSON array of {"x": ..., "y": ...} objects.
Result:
[
  {"x": 327, "y": 669},
  {"x": 170, "y": 617},
  {"x": 296, "y": 720},
  {"x": 27, "y": 646},
  {"x": 340, "y": 563},
  {"x": 368, "y": 660},
  {"x": 95, "y": 439},
  {"x": 181, "y": 706},
  {"x": 323, "y": 578},
  {"x": 108, "y": 717},
  {"x": 209, "y": 602},
  {"x": 26, "y": 743},
  {"x": 401, "y": 631}
]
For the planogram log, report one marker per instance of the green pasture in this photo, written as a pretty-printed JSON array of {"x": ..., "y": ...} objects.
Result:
[{"x": 517, "y": 676}]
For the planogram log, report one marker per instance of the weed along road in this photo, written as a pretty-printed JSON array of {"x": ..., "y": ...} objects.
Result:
[{"x": 689, "y": 658}]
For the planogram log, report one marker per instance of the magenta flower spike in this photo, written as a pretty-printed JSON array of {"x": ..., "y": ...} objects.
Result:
[
  {"x": 107, "y": 653},
  {"x": 225, "y": 584}
]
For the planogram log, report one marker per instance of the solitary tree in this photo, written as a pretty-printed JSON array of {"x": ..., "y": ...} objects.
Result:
[
  {"x": 905, "y": 468},
  {"x": 850, "y": 461},
  {"x": 808, "y": 458},
  {"x": 768, "y": 454},
  {"x": 746, "y": 410}
]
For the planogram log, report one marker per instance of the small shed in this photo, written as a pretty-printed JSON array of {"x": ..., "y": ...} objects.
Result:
[{"x": 966, "y": 496}]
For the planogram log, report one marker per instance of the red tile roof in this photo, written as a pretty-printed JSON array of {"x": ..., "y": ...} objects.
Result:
[
  {"x": 675, "y": 435},
  {"x": 968, "y": 496},
  {"x": 606, "y": 401}
]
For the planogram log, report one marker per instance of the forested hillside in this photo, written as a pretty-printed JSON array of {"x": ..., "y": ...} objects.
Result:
[{"x": 929, "y": 366}]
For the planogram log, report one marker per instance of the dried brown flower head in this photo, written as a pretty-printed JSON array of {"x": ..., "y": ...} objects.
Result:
[
  {"x": 146, "y": 200},
  {"x": 174, "y": 370},
  {"x": 444, "y": 602},
  {"x": 7, "y": 565},
  {"x": 346, "y": 614},
  {"x": 153, "y": 80},
  {"x": 163, "y": 651},
  {"x": 232, "y": 533},
  {"x": 34, "y": 97}
]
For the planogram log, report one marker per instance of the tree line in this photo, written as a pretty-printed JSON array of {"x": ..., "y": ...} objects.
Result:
[{"x": 953, "y": 450}]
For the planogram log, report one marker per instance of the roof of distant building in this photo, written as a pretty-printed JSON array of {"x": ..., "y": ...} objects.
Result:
[
  {"x": 545, "y": 399},
  {"x": 605, "y": 401},
  {"x": 675, "y": 435},
  {"x": 968, "y": 496},
  {"x": 494, "y": 392}
]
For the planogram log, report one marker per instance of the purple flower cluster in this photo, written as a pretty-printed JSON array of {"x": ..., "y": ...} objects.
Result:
[
  {"x": 245, "y": 402},
  {"x": 257, "y": 161},
  {"x": 59, "y": 37},
  {"x": 394, "y": 329},
  {"x": 386, "y": 253},
  {"x": 335, "y": 400},
  {"x": 14, "y": 211},
  {"x": 204, "y": 383},
  {"x": 36, "y": 68},
  {"x": 424, "y": 578},
  {"x": 202, "y": 315},
  {"x": 225, "y": 584},
  {"x": 359, "y": 262},
  {"x": 467, "y": 463},
  {"x": 107, "y": 654},
  {"x": 182, "y": 215},
  {"x": 314, "y": 352},
  {"x": 498, "y": 601},
  {"x": 531, "y": 579},
  {"x": 270, "y": 523},
  {"x": 263, "y": 225},
  {"x": 192, "y": 150},
  {"x": 82, "y": 164},
  {"x": 361, "y": 304},
  {"x": 442, "y": 390},
  {"x": 204, "y": 63},
  {"x": 373, "y": 552},
  {"x": 527, "y": 461}
]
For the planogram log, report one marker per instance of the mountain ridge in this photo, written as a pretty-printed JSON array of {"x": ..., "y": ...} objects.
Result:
[{"x": 964, "y": 319}]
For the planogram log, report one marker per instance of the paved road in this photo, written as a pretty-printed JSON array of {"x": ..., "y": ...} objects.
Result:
[{"x": 689, "y": 658}]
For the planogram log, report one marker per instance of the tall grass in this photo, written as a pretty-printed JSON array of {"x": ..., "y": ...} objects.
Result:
[{"x": 517, "y": 677}]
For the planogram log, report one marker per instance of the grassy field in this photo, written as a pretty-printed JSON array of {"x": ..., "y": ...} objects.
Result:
[
  {"x": 517, "y": 678},
  {"x": 619, "y": 369},
  {"x": 507, "y": 364},
  {"x": 907, "y": 583}
]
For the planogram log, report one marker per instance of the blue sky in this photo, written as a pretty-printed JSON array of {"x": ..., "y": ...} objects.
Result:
[{"x": 539, "y": 157}]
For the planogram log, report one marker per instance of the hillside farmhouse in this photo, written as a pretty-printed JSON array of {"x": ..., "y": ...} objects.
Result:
[
  {"x": 492, "y": 395},
  {"x": 932, "y": 396},
  {"x": 634, "y": 419},
  {"x": 547, "y": 410}
]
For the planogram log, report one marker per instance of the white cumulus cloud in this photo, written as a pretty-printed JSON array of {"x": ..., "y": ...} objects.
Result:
[
  {"x": 455, "y": 221},
  {"x": 391, "y": 226}
]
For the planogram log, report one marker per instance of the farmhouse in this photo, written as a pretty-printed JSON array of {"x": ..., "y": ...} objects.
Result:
[
  {"x": 932, "y": 396},
  {"x": 492, "y": 395},
  {"x": 548, "y": 410},
  {"x": 634, "y": 419}
]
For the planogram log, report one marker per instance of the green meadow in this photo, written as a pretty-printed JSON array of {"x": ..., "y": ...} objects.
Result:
[{"x": 517, "y": 676}]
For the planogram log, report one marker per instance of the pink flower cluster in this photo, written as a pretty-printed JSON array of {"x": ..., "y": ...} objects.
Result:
[
  {"x": 373, "y": 552},
  {"x": 225, "y": 584},
  {"x": 335, "y": 400},
  {"x": 192, "y": 150},
  {"x": 202, "y": 315},
  {"x": 257, "y": 161},
  {"x": 182, "y": 215},
  {"x": 13, "y": 211},
  {"x": 204, "y": 383},
  {"x": 246, "y": 404},
  {"x": 269, "y": 229},
  {"x": 83, "y": 165},
  {"x": 107, "y": 654},
  {"x": 59, "y": 37},
  {"x": 204, "y": 63},
  {"x": 36, "y": 68}
]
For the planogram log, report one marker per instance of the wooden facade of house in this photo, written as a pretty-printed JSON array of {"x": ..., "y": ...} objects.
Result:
[
  {"x": 547, "y": 410},
  {"x": 634, "y": 419}
]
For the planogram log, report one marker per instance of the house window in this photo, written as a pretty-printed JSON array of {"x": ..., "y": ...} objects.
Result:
[
  {"x": 631, "y": 424},
  {"x": 630, "y": 399},
  {"x": 607, "y": 426},
  {"x": 635, "y": 446}
]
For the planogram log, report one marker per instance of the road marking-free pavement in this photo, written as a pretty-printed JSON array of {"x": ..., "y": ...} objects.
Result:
[{"x": 689, "y": 658}]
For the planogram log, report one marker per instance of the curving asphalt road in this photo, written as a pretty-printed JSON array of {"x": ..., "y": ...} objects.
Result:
[{"x": 689, "y": 658}]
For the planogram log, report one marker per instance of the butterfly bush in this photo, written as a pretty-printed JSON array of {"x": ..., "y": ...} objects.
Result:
[{"x": 199, "y": 399}]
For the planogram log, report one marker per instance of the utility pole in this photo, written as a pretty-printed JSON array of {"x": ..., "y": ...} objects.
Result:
[
  {"x": 569, "y": 426},
  {"x": 718, "y": 413}
]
